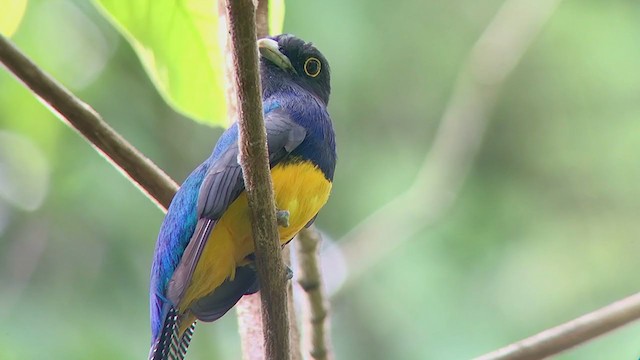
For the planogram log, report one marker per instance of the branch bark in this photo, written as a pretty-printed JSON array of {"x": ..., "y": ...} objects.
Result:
[
  {"x": 562, "y": 337},
  {"x": 248, "y": 308},
  {"x": 294, "y": 329},
  {"x": 257, "y": 179},
  {"x": 262, "y": 18},
  {"x": 317, "y": 334},
  {"x": 147, "y": 176}
]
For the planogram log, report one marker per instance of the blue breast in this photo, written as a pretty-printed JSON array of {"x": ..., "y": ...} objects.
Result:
[{"x": 319, "y": 146}]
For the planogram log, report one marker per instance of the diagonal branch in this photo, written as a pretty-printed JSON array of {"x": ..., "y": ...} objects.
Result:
[
  {"x": 562, "y": 337},
  {"x": 465, "y": 119},
  {"x": 257, "y": 179},
  {"x": 149, "y": 178}
]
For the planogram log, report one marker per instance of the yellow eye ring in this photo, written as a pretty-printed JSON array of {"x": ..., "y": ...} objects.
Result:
[{"x": 312, "y": 67}]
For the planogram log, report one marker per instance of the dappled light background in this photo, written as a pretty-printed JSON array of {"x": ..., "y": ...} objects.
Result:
[{"x": 545, "y": 226}]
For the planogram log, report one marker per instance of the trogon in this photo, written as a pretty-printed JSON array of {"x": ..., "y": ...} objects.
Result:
[{"x": 203, "y": 261}]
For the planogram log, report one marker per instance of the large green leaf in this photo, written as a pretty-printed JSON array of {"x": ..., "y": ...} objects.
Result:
[
  {"x": 276, "y": 16},
  {"x": 11, "y": 15},
  {"x": 177, "y": 42}
]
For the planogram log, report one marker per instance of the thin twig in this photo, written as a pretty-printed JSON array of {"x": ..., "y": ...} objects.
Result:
[
  {"x": 562, "y": 337},
  {"x": 317, "y": 324},
  {"x": 148, "y": 177},
  {"x": 257, "y": 179},
  {"x": 294, "y": 329},
  {"x": 445, "y": 168}
]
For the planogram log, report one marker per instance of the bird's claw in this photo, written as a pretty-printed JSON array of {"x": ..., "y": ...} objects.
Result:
[
  {"x": 282, "y": 216},
  {"x": 252, "y": 265}
]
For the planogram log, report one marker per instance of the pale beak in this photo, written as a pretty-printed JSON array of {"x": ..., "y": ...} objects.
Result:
[{"x": 270, "y": 50}]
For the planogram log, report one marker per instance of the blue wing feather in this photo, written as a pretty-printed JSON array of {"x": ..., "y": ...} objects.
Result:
[
  {"x": 174, "y": 235},
  {"x": 179, "y": 225}
]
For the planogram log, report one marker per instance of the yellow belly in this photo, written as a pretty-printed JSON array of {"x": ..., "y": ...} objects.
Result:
[{"x": 300, "y": 188}]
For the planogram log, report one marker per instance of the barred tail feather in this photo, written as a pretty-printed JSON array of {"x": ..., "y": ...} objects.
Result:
[
  {"x": 171, "y": 345},
  {"x": 186, "y": 340}
]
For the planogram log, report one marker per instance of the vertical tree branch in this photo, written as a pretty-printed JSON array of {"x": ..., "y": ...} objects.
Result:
[
  {"x": 148, "y": 177},
  {"x": 262, "y": 18},
  {"x": 262, "y": 30},
  {"x": 248, "y": 308},
  {"x": 250, "y": 327},
  {"x": 257, "y": 179},
  {"x": 227, "y": 55},
  {"x": 317, "y": 339}
]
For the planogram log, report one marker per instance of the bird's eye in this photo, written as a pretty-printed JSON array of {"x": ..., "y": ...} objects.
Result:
[{"x": 312, "y": 67}]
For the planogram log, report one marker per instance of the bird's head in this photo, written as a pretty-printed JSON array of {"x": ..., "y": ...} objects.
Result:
[{"x": 286, "y": 58}]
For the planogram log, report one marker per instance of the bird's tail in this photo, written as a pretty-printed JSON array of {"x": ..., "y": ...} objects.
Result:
[{"x": 174, "y": 339}]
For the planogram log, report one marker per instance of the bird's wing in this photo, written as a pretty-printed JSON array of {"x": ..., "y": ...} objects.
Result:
[
  {"x": 222, "y": 184},
  {"x": 216, "y": 304}
]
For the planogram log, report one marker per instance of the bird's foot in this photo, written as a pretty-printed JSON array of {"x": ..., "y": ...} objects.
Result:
[
  {"x": 252, "y": 265},
  {"x": 282, "y": 216},
  {"x": 288, "y": 272}
]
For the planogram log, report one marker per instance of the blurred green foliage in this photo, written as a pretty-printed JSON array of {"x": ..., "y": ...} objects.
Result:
[
  {"x": 162, "y": 32},
  {"x": 545, "y": 229},
  {"x": 11, "y": 16}
]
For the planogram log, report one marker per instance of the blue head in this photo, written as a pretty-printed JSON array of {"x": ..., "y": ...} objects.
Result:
[{"x": 287, "y": 60}]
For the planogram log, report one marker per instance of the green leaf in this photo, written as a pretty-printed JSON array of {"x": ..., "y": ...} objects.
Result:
[
  {"x": 177, "y": 42},
  {"x": 276, "y": 16},
  {"x": 11, "y": 15}
]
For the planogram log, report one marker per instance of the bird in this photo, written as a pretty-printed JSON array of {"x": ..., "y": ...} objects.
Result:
[{"x": 204, "y": 256}]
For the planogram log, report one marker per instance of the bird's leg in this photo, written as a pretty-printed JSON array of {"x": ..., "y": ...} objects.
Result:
[
  {"x": 283, "y": 217},
  {"x": 288, "y": 272},
  {"x": 251, "y": 259}
]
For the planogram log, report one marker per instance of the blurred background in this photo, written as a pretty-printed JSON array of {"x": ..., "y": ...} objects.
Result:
[{"x": 543, "y": 227}]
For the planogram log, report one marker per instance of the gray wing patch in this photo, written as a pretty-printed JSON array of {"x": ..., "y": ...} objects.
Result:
[
  {"x": 182, "y": 275},
  {"x": 283, "y": 136},
  {"x": 223, "y": 182}
]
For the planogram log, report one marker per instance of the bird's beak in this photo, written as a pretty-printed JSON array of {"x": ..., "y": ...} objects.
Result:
[{"x": 270, "y": 50}]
